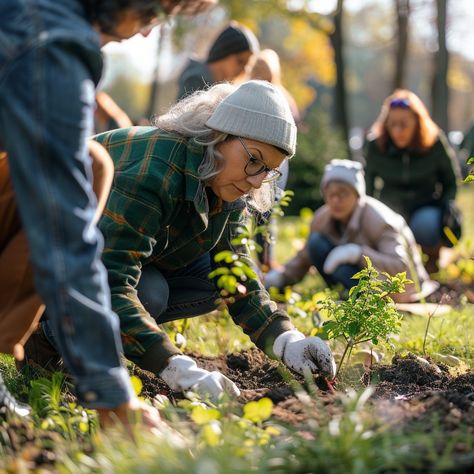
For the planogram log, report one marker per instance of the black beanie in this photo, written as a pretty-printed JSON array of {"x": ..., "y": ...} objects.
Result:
[{"x": 234, "y": 39}]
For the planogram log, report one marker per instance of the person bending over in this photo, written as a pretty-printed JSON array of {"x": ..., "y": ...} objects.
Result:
[{"x": 180, "y": 194}]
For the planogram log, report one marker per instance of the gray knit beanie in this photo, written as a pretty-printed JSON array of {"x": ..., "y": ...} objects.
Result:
[
  {"x": 347, "y": 171},
  {"x": 234, "y": 39},
  {"x": 259, "y": 111}
]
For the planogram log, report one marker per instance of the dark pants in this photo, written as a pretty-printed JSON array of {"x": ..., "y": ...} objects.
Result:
[
  {"x": 183, "y": 293},
  {"x": 319, "y": 247},
  {"x": 425, "y": 224}
]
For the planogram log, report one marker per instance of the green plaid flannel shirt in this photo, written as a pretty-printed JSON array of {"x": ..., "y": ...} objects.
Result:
[{"x": 158, "y": 211}]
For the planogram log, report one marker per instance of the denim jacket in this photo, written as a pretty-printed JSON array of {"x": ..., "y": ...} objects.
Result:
[
  {"x": 159, "y": 212},
  {"x": 50, "y": 60},
  {"x": 28, "y": 24}
]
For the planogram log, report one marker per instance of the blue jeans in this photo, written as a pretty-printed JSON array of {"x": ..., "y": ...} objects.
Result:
[
  {"x": 425, "y": 224},
  {"x": 184, "y": 293},
  {"x": 49, "y": 65},
  {"x": 319, "y": 247}
]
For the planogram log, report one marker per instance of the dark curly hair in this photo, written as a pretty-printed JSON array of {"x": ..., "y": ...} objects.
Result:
[{"x": 106, "y": 12}]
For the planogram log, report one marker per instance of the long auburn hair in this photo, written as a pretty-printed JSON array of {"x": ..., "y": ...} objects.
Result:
[{"x": 426, "y": 133}]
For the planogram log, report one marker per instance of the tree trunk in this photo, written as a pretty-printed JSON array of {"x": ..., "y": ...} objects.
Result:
[
  {"x": 154, "y": 90},
  {"x": 403, "y": 15},
  {"x": 440, "y": 91},
  {"x": 340, "y": 103}
]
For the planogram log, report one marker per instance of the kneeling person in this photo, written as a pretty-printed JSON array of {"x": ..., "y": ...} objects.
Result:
[
  {"x": 349, "y": 226},
  {"x": 180, "y": 193}
]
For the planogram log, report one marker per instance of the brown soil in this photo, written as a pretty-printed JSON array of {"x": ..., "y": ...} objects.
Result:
[
  {"x": 429, "y": 387},
  {"x": 415, "y": 396},
  {"x": 452, "y": 293},
  {"x": 411, "y": 395},
  {"x": 256, "y": 375},
  {"x": 410, "y": 386}
]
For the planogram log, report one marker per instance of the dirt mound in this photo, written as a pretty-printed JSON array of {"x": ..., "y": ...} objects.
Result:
[
  {"x": 452, "y": 293},
  {"x": 411, "y": 375},
  {"x": 411, "y": 390},
  {"x": 418, "y": 389},
  {"x": 256, "y": 375},
  {"x": 408, "y": 375}
]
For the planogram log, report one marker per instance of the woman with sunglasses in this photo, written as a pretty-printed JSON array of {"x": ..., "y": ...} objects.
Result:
[
  {"x": 411, "y": 168},
  {"x": 181, "y": 191}
]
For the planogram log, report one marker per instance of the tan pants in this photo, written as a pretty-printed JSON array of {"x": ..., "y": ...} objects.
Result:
[{"x": 20, "y": 305}]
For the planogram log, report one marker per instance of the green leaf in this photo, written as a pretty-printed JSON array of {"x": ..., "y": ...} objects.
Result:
[
  {"x": 353, "y": 328},
  {"x": 219, "y": 257},
  {"x": 237, "y": 271},
  {"x": 258, "y": 411},
  {"x": 136, "y": 384},
  {"x": 202, "y": 415},
  {"x": 212, "y": 433},
  {"x": 83, "y": 427},
  {"x": 219, "y": 271}
]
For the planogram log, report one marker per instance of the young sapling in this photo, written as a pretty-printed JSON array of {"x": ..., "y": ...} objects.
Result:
[{"x": 369, "y": 313}]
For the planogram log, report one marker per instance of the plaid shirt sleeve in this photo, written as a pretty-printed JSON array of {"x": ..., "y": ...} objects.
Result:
[{"x": 129, "y": 224}]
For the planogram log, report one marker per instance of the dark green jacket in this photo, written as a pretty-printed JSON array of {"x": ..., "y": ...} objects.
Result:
[
  {"x": 159, "y": 212},
  {"x": 406, "y": 180}
]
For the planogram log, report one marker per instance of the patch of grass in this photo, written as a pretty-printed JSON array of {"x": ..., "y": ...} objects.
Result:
[
  {"x": 450, "y": 334},
  {"x": 210, "y": 335},
  {"x": 350, "y": 435}
]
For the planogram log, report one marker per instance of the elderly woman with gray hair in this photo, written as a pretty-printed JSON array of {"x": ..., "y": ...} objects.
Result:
[
  {"x": 180, "y": 192},
  {"x": 349, "y": 226}
]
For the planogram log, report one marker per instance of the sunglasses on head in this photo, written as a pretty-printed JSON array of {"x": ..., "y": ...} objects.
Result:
[{"x": 400, "y": 103}]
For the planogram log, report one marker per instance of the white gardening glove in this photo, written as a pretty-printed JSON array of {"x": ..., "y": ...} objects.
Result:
[
  {"x": 347, "y": 253},
  {"x": 182, "y": 375},
  {"x": 304, "y": 354},
  {"x": 274, "y": 278}
]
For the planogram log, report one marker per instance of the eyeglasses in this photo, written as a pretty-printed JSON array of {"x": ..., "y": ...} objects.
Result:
[
  {"x": 400, "y": 104},
  {"x": 255, "y": 166},
  {"x": 339, "y": 195}
]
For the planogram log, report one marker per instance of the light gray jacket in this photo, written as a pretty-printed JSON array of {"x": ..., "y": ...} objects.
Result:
[{"x": 384, "y": 237}]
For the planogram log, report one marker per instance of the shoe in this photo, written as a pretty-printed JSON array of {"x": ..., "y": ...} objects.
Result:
[
  {"x": 8, "y": 404},
  {"x": 40, "y": 352}
]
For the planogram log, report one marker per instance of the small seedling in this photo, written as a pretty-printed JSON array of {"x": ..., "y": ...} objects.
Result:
[
  {"x": 470, "y": 177},
  {"x": 369, "y": 313}
]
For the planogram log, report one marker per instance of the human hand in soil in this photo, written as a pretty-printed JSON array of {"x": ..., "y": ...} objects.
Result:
[
  {"x": 130, "y": 414},
  {"x": 305, "y": 354},
  {"x": 183, "y": 375}
]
